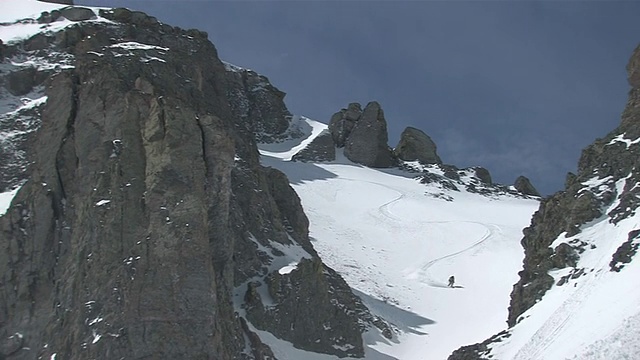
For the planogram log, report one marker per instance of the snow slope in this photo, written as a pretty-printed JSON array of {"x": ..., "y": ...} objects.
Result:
[
  {"x": 396, "y": 242},
  {"x": 594, "y": 316}
]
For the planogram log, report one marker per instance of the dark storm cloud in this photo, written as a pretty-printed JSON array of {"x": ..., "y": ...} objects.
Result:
[{"x": 516, "y": 87}]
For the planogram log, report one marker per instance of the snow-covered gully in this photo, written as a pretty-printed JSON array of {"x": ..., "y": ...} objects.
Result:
[{"x": 396, "y": 241}]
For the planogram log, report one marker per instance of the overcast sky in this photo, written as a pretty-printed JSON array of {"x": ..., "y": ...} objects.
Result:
[{"x": 516, "y": 87}]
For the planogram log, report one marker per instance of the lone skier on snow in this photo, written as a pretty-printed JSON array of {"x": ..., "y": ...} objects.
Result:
[{"x": 451, "y": 280}]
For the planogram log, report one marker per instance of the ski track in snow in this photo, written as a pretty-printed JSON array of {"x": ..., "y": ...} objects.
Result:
[
  {"x": 425, "y": 275},
  {"x": 536, "y": 347},
  {"x": 396, "y": 244}
]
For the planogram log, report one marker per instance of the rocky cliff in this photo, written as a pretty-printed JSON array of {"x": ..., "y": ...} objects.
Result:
[
  {"x": 604, "y": 188},
  {"x": 147, "y": 226}
]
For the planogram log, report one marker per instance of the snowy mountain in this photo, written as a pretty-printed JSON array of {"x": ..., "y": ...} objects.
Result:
[
  {"x": 574, "y": 298},
  {"x": 397, "y": 240},
  {"x": 145, "y": 212}
]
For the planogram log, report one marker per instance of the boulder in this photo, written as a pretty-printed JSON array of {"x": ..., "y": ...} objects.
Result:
[
  {"x": 342, "y": 123},
  {"x": 77, "y": 13},
  {"x": 416, "y": 145},
  {"x": 483, "y": 174},
  {"x": 367, "y": 142},
  {"x": 523, "y": 185}
]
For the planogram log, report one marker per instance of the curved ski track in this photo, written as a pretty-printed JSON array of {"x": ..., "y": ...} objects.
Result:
[{"x": 491, "y": 230}]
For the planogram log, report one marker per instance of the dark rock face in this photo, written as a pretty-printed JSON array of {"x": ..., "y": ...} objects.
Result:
[
  {"x": 322, "y": 148},
  {"x": 147, "y": 213},
  {"x": 22, "y": 81},
  {"x": 562, "y": 212},
  {"x": 416, "y": 145},
  {"x": 367, "y": 143},
  {"x": 342, "y": 123},
  {"x": 608, "y": 161},
  {"x": 305, "y": 321},
  {"x": 523, "y": 185},
  {"x": 258, "y": 104}
]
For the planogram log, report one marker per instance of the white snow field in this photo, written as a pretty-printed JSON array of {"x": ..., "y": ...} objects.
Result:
[{"x": 396, "y": 242}]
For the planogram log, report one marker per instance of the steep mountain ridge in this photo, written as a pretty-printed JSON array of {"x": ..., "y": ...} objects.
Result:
[{"x": 595, "y": 216}]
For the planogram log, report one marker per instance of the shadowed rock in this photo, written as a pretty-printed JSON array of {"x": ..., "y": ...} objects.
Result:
[
  {"x": 523, "y": 185},
  {"x": 258, "y": 104},
  {"x": 483, "y": 174},
  {"x": 320, "y": 149},
  {"x": 342, "y": 123},
  {"x": 416, "y": 145},
  {"x": 367, "y": 144}
]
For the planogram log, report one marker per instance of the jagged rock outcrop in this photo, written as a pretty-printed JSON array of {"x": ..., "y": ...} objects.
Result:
[
  {"x": 147, "y": 213},
  {"x": 415, "y": 145},
  {"x": 625, "y": 252},
  {"x": 258, "y": 104},
  {"x": 307, "y": 325},
  {"x": 523, "y": 184},
  {"x": 483, "y": 174},
  {"x": 342, "y": 123},
  {"x": 607, "y": 165},
  {"x": 367, "y": 143}
]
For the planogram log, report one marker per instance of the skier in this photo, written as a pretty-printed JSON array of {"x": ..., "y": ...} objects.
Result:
[{"x": 451, "y": 280}]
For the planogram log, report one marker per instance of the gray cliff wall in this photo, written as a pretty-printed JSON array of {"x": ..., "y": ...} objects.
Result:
[{"x": 147, "y": 213}]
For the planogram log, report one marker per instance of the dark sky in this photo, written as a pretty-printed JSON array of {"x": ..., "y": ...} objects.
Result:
[{"x": 516, "y": 87}]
